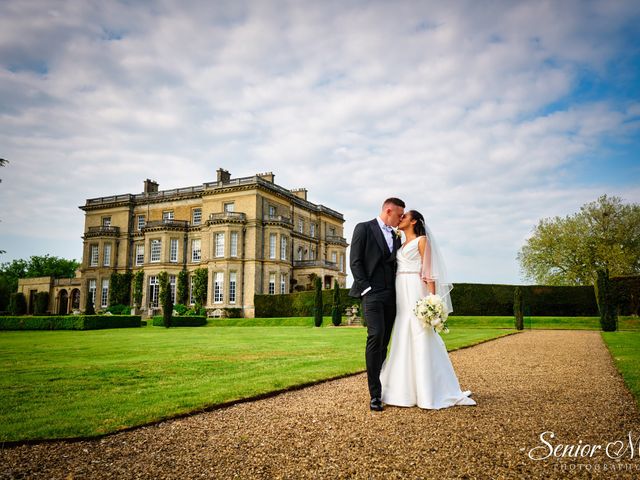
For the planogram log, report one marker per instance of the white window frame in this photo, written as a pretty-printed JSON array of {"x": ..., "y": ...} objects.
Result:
[
  {"x": 105, "y": 293},
  {"x": 334, "y": 257},
  {"x": 219, "y": 245},
  {"x": 172, "y": 285},
  {"x": 283, "y": 247},
  {"x": 196, "y": 216},
  {"x": 92, "y": 290},
  {"x": 234, "y": 244},
  {"x": 301, "y": 225},
  {"x": 140, "y": 254},
  {"x": 272, "y": 284},
  {"x": 94, "y": 253},
  {"x": 342, "y": 262},
  {"x": 142, "y": 221},
  {"x": 154, "y": 291},
  {"x": 233, "y": 280},
  {"x": 106, "y": 221},
  {"x": 218, "y": 287},
  {"x": 312, "y": 229},
  {"x": 156, "y": 250},
  {"x": 167, "y": 216},
  {"x": 283, "y": 283},
  {"x": 173, "y": 250},
  {"x": 273, "y": 238},
  {"x": 106, "y": 256},
  {"x": 196, "y": 250},
  {"x": 192, "y": 300},
  {"x": 229, "y": 207},
  {"x": 273, "y": 211}
]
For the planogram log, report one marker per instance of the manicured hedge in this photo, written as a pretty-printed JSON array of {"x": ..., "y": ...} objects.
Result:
[
  {"x": 468, "y": 299},
  {"x": 626, "y": 290},
  {"x": 69, "y": 322},
  {"x": 186, "y": 321}
]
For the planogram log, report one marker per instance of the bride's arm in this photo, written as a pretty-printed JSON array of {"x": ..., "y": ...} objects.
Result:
[{"x": 422, "y": 244}]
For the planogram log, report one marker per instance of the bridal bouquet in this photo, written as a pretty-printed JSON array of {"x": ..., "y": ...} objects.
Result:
[{"x": 430, "y": 311}]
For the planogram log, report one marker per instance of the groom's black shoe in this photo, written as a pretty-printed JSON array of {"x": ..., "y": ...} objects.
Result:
[{"x": 376, "y": 405}]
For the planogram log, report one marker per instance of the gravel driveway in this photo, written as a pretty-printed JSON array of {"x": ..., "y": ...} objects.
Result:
[{"x": 538, "y": 381}]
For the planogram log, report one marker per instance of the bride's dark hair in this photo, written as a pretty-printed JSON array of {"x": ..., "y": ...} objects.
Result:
[{"x": 419, "y": 227}]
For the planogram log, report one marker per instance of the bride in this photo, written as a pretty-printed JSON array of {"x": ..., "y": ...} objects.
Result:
[{"x": 418, "y": 370}]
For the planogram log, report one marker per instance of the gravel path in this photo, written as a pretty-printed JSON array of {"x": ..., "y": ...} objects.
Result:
[{"x": 525, "y": 384}]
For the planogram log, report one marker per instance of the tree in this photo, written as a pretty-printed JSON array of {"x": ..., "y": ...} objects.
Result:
[
  {"x": 336, "y": 315},
  {"x": 89, "y": 308},
  {"x": 138, "y": 285},
  {"x": 120, "y": 288},
  {"x": 17, "y": 304},
  {"x": 605, "y": 234},
  {"x": 317, "y": 309},
  {"x": 606, "y": 303},
  {"x": 183, "y": 287},
  {"x": 518, "y": 308},
  {"x": 200, "y": 280},
  {"x": 165, "y": 298}
]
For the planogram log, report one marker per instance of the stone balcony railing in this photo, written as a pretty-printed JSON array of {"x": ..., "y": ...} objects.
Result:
[
  {"x": 166, "y": 223},
  {"x": 338, "y": 240},
  {"x": 315, "y": 263},
  {"x": 227, "y": 217},
  {"x": 281, "y": 219},
  {"x": 102, "y": 231}
]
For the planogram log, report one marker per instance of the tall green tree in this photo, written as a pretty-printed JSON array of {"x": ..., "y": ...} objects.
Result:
[
  {"x": 183, "y": 287},
  {"x": 336, "y": 314},
  {"x": 604, "y": 235},
  {"x": 138, "y": 286},
  {"x": 317, "y": 309},
  {"x": 166, "y": 299},
  {"x": 200, "y": 280}
]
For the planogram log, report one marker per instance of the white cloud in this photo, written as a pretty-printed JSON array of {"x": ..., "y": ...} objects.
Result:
[{"x": 443, "y": 104}]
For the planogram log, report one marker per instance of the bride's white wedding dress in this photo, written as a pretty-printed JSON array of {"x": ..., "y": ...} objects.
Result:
[{"x": 418, "y": 370}]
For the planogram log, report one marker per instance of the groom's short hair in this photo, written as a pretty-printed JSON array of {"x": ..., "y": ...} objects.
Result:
[{"x": 393, "y": 200}]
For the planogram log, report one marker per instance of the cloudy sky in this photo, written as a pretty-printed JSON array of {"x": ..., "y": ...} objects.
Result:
[{"x": 486, "y": 116}]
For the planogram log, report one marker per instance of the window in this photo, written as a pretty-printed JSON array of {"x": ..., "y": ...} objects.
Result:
[
  {"x": 173, "y": 250},
  {"x": 300, "y": 225},
  {"x": 172, "y": 285},
  {"x": 283, "y": 283},
  {"x": 156, "y": 247},
  {"x": 192, "y": 300},
  {"x": 154, "y": 289},
  {"x": 232, "y": 287},
  {"x": 219, "y": 244},
  {"x": 283, "y": 247},
  {"x": 332, "y": 231},
  {"x": 312, "y": 228},
  {"x": 342, "y": 262},
  {"x": 272, "y": 245},
  {"x": 106, "y": 260},
  {"x": 92, "y": 291},
  {"x": 141, "y": 222},
  {"x": 196, "y": 216},
  {"x": 272, "y": 211},
  {"x": 312, "y": 254},
  {"x": 300, "y": 253},
  {"x": 93, "y": 258},
  {"x": 272, "y": 283},
  {"x": 105, "y": 293},
  {"x": 334, "y": 257},
  {"x": 106, "y": 221},
  {"x": 229, "y": 207},
  {"x": 167, "y": 215},
  {"x": 234, "y": 244},
  {"x": 195, "y": 250},
  {"x": 139, "y": 254},
  {"x": 218, "y": 287}
]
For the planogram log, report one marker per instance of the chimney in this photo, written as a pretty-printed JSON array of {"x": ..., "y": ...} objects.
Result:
[
  {"x": 268, "y": 176},
  {"x": 223, "y": 175},
  {"x": 300, "y": 193},
  {"x": 150, "y": 186}
]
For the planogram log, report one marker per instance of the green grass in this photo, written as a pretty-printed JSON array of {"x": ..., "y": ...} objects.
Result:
[
  {"x": 566, "y": 323},
  {"x": 61, "y": 384},
  {"x": 625, "y": 350}
]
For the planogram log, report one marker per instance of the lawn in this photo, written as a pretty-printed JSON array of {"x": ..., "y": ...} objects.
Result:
[
  {"x": 565, "y": 323},
  {"x": 60, "y": 384},
  {"x": 625, "y": 350}
]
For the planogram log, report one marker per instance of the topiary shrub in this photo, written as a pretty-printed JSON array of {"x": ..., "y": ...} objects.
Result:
[
  {"x": 606, "y": 303},
  {"x": 119, "y": 309},
  {"x": 180, "y": 309},
  {"x": 17, "y": 304},
  {"x": 336, "y": 313},
  {"x": 165, "y": 298},
  {"x": 89, "y": 309},
  {"x": 41, "y": 303},
  {"x": 317, "y": 310},
  {"x": 138, "y": 285},
  {"x": 182, "y": 289},
  {"x": 518, "y": 308}
]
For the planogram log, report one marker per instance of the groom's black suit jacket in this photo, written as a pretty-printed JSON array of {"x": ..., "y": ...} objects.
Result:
[{"x": 372, "y": 264}]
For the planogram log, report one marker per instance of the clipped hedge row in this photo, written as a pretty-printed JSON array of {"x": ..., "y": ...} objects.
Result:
[
  {"x": 469, "y": 299},
  {"x": 626, "y": 290},
  {"x": 186, "y": 321},
  {"x": 69, "y": 322}
]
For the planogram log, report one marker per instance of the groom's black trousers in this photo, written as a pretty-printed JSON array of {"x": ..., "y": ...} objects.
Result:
[{"x": 379, "y": 310}]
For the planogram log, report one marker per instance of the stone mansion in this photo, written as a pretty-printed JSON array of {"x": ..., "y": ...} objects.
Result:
[{"x": 252, "y": 235}]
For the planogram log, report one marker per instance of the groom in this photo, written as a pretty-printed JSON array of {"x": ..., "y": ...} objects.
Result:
[{"x": 373, "y": 265}]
